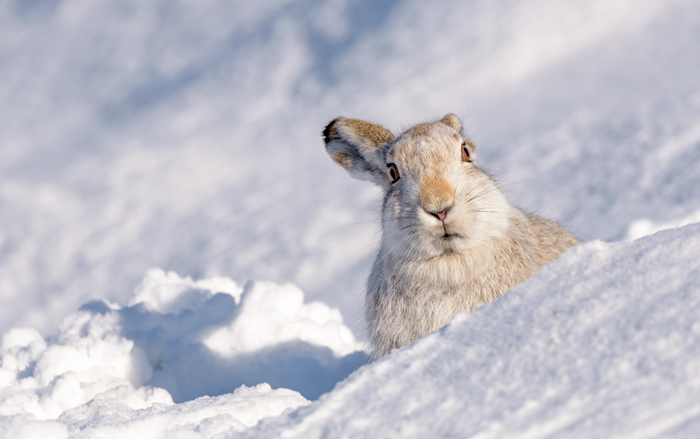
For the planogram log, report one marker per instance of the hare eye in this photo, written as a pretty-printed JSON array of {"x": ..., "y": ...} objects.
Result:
[
  {"x": 393, "y": 172},
  {"x": 465, "y": 153}
]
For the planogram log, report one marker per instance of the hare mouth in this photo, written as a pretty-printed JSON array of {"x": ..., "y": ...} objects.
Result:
[{"x": 447, "y": 236}]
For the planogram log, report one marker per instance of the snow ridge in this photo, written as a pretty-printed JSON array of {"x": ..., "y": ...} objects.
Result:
[{"x": 604, "y": 342}]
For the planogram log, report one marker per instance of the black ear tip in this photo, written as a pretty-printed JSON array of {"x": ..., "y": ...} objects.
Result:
[{"x": 331, "y": 131}]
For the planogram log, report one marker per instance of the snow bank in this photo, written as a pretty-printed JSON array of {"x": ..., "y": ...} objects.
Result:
[
  {"x": 113, "y": 369},
  {"x": 604, "y": 342},
  {"x": 109, "y": 416}
]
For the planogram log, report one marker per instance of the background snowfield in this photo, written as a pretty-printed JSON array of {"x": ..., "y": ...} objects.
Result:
[{"x": 186, "y": 136}]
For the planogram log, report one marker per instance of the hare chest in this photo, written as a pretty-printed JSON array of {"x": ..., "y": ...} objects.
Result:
[{"x": 418, "y": 298}]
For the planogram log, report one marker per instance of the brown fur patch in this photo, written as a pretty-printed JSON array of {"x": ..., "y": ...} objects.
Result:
[
  {"x": 343, "y": 160},
  {"x": 436, "y": 193},
  {"x": 372, "y": 134},
  {"x": 405, "y": 152},
  {"x": 419, "y": 130},
  {"x": 377, "y": 135}
]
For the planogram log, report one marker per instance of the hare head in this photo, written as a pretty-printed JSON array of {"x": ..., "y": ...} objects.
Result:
[
  {"x": 437, "y": 201},
  {"x": 451, "y": 241}
]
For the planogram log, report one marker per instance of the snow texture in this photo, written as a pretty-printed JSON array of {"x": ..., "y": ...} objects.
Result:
[
  {"x": 178, "y": 340},
  {"x": 604, "y": 342},
  {"x": 112, "y": 415},
  {"x": 186, "y": 135}
]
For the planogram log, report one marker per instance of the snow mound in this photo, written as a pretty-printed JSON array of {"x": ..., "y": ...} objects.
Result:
[
  {"x": 203, "y": 417},
  {"x": 108, "y": 416},
  {"x": 644, "y": 227},
  {"x": 177, "y": 340},
  {"x": 604, "y": 342}
]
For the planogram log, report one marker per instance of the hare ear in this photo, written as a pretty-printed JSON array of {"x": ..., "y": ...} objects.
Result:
[
  {"x": 452, "y": 121},
  {"x": 354, "y": 144}
]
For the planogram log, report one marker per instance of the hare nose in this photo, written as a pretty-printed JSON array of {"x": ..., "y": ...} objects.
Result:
[{"x": 440, "y": 215}]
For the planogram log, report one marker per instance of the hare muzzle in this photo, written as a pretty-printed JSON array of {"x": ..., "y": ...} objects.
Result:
[{"x": 436, "y": 195}]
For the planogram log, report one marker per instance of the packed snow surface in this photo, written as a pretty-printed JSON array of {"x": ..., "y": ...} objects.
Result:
[{"x": 186, "y": 135}]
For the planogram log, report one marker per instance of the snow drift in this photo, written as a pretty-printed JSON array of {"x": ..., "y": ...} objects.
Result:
[
  {"x": 178, "y": 340},
  {"x": 604, "y": 342}
]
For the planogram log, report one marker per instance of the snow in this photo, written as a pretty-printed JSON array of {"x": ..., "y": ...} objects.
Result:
[
  {"x": 186, "y": 135},
  {"x": 109, "y": 416},
  {"x": 177, "y": 341},
  {"x": 604, "y": 342},
  {"x": 644, "y": 227}
]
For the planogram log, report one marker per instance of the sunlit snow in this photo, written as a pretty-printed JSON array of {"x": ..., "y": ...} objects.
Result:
[{"x": 180, "y": 258}]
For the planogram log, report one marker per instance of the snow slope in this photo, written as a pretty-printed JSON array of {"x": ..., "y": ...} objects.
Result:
[
  {"x": 186, "y": 135},
  {"x": 604, "y": 342}
]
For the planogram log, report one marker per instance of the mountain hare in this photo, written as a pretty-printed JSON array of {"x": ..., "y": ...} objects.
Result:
[{"x": 451, "y": 241}]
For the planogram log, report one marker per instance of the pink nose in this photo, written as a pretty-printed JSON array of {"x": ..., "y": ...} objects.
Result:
[{"x": 442, "y": 214}]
